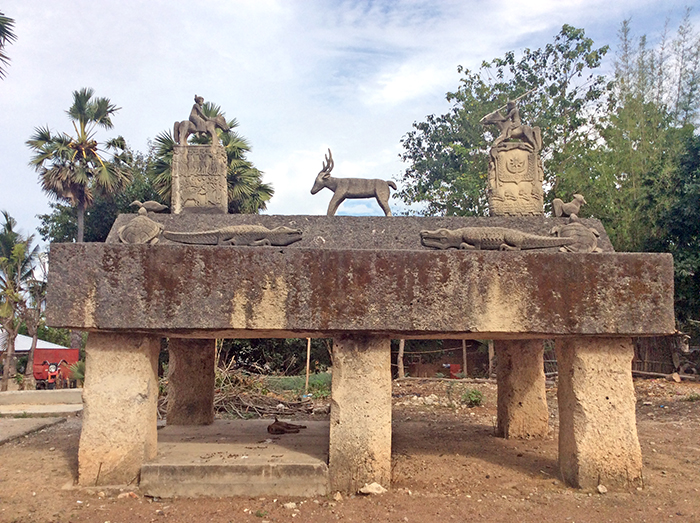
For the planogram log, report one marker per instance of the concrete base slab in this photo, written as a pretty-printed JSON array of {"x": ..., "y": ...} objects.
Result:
[
  {"x": 42, "y": 397},
  {"x": 13, "y": 428},
  {"x": 238, "y": 458},
  {"x": 40, "y": 411}
]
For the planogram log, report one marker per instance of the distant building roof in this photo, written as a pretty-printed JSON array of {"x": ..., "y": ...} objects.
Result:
[{"x": 24, "y": 343}]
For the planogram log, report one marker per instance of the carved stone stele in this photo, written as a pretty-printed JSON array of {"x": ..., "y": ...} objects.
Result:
[
  {"x": 515, "y": 180},
  {"x": 199, "y": 179}
]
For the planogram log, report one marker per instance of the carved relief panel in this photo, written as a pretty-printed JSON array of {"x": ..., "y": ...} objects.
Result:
[
  {"x": 199, "y": 179},
  {"x": 515, "y": 180}
]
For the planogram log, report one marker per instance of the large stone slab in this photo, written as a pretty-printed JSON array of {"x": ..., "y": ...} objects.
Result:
[
  {"x": 214, "y": 292},
  {"x": 238, "y": 458}
]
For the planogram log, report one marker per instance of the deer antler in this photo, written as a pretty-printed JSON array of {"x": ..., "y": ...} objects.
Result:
[{"x": 328, "y": 164}]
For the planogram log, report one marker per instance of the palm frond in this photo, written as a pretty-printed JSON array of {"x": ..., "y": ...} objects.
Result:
[{"x": 7, "y": 36}]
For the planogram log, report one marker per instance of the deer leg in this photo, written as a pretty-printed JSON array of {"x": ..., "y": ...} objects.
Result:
[
  {"x": 382, "y": 197},
  {"x": 385, "y": 206},
  {"x": 334, "y": 204}
]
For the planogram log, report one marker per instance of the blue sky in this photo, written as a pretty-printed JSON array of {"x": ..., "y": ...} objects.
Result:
[{"x": 299, "y": 75}]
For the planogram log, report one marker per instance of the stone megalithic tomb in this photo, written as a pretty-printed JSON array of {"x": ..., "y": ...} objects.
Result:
[{"x": 198, "y": 277}]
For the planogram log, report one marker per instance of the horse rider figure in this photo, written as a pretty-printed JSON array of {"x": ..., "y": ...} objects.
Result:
[
  {"x": 197, "y": 116},
  {"x": 511, "y": 126}
]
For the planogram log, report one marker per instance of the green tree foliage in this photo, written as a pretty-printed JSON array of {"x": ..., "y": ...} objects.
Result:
[
  {"x": 72, "y": 168},
  {"x": 678, "y": 231},
  {"x": 246, "y": 191},
  {"x": 447, "y": 154},
  {"x": 17, "y": 258},
  {"x": 7, "y": 36},
  {"x": 60, "y": 225},
  {"x": 641, "y": 177},
  {"x": 628, "y": 143}
]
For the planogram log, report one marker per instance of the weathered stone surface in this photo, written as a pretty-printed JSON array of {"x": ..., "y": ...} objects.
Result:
[
  {"x": 522, "y": 399},
  {"x": 191, "y": 381},
  {"x": 597, "y": 427},
  {"x": 120, "y": 398},
  {"x": 212, "y": 292},
  {"x": 360, "y": 434},
  {"x": 199, "y": 179},
  {"x": 358, "y": 232}
]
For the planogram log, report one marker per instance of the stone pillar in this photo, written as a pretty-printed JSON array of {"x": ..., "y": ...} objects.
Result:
[
  {"x": 191, "y": 381},
  {"x": 522, "y": 401},
  {"x": 120, "y": 398},
  {"x": 360, "y": 433},
  {"x": 597, "y": 426}
]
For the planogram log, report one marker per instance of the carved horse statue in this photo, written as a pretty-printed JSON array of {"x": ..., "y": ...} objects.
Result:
[
  {"x": 529, "y": 135},
  {"x": 182, "y": 130}
]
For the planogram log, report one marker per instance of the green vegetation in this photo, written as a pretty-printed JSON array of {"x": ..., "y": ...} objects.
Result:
[
  {"x": 693, "y": 396},
  {"x": 7, "y": 36},
  {"x": 71, "y": 168},
  {"x": 247, "y": 193},
  {"x": 18, "y": 258},
  {"x": 77, "y": 371},
  {"x": 629, "y": 143},
  {"x": 319, "y": 384},
  {"x": 472, "y": 397}
]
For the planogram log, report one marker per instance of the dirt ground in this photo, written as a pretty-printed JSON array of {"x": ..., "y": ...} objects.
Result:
[{"x": 447, "y": 466}]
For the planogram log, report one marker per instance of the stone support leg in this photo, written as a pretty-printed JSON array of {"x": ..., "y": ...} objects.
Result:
[
  {"x": 597, "y": 425},
  {"x": 191, "y": 381},
  {"x": 360, "y": 433},
  {"x": 120, "y": 398},
  {"x": 522, "y": 401}
]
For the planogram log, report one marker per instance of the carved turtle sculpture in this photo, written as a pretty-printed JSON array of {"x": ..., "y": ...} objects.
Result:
[
  {"x": 586, "y": 237},
  {"x": 140, "y": 230},
  {"x": 150, "y": 206}
]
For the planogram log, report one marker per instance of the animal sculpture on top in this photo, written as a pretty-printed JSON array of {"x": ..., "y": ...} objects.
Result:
[
  {"x": 567, "y": 209},
  {"x": 199, "y": 123},
  {"x": 345, "y": 188}
]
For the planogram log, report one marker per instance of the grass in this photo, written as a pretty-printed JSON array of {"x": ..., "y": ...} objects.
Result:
[
  {"x": 693, "y": 396},
  {"x": 472, "y": 397},
  {"x": 319, "y": 384}
]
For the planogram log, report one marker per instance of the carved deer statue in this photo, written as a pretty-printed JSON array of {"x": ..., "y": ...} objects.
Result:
[{"x": 345, "y": 188}]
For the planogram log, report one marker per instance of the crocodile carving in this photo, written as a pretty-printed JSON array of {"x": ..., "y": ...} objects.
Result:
[
  {"x": 250, "y": 235},
  {"x": 489, "y": 238}
]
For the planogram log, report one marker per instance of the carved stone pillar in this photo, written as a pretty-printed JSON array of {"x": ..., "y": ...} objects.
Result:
[
  {"x": 360, "y": 433},
  {"x": 597, "y": 425},
  {"x": 191, "y": 381},
  {"x": 199, "y": 179},
  {"x": 120, "y": 398},
  {"x": 522, "y": 401}
]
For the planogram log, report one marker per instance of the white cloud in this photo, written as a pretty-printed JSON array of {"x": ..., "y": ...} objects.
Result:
[{"x": 300, "y": 76}]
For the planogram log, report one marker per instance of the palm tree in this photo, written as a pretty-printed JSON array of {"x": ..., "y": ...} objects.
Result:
[
  {"x": 246, "y": 191},
  {"x": 32, "y": 313},
  {"x": 17, "y": 257},
  {"x": 71, "y": 168},
  {"x": 6, "y": 36}
]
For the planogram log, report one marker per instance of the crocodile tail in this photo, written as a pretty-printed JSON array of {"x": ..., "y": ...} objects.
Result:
[
  {"x": 544, "y": 242},
  {"x": 198, "y": 238},
  {"x": 391, "y": 184}
]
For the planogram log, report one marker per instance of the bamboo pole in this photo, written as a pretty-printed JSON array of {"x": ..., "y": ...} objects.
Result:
[
  {"x": 464, "y": 358},
  {"x": 308, "y": 360},
  {"x": 399, "y": 359}
]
